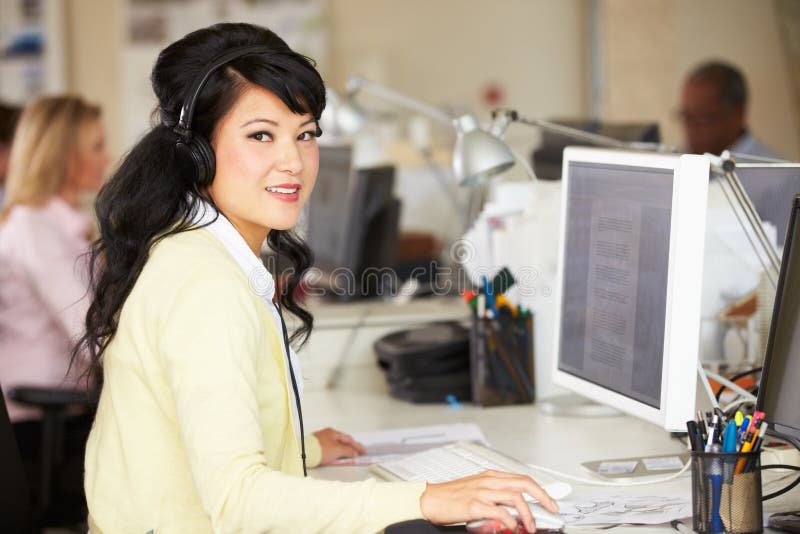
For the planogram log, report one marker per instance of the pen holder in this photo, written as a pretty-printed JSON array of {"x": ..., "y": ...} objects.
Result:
[
  {"x": 726, "y": 492},
  {"x": 501, "y": 360}
]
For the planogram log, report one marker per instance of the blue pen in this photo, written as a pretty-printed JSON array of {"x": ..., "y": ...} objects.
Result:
[
  {"x": 743, "y": 431},
  {"x": 715, "y": 474},
  {"x": 487, "y": 289},
  {"x": 729, "y": 437},
  {"x": 729, "y": 445}
]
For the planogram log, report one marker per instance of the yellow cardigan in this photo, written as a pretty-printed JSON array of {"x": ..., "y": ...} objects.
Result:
[{"x": 193, "y": 431}]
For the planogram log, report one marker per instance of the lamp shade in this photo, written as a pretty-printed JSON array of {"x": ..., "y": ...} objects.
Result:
[
  {"x": 340, "y": 116},
  {"x": 478, "y": 154}
]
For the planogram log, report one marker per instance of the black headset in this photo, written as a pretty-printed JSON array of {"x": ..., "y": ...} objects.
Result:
[
  {"x": 195, "y": 146},
  {"x": 202, "y": 155}
]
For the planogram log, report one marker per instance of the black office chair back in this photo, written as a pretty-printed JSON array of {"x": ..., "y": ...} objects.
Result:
[{"x": 14, "y": 497}]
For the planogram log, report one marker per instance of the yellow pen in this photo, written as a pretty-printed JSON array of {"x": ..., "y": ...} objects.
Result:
[{"x": 747, "y": 446}]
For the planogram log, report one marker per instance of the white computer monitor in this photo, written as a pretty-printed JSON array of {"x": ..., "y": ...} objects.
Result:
[{"x": 629, "y": 280}]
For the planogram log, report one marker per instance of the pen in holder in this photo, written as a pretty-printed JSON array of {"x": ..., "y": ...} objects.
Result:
[
  {"x": 501, "y": 360},
  {"x": 726, "y": 492}
]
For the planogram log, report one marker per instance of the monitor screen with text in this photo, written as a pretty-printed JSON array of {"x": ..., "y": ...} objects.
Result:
[{"x": 616, "y": 262}]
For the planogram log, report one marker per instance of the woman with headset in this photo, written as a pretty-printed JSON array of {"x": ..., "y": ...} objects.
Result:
[{"x": 199, "y": 426}]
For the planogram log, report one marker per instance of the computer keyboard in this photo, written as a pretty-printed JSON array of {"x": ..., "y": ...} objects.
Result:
[{"x": 458, "y": 460}]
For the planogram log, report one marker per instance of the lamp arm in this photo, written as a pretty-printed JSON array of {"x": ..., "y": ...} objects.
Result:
[
  {"x": 780, "y": 163},
  {"x": 356, "y": 84},
  {"x": 596, "y": 139},
  {"x": 702, "y": 374},
  {"x": 767, "y": 165},
  {"x": 725, "y": 167},
  {"x": 575, "y": 133}
]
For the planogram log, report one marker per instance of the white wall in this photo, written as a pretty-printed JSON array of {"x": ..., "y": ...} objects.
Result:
[
  {"x": 445, "y": 53},
  {"x": 94, "y": 40},
  {"x": 447, "y": 50}
]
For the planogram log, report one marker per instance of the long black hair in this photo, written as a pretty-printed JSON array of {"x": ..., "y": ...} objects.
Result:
[{"x": 154, "y": 193}]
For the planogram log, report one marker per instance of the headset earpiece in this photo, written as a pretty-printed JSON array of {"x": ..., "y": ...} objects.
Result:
[
  {"x": 197, "y": 148},
  {"x": 200, "y": 152}
]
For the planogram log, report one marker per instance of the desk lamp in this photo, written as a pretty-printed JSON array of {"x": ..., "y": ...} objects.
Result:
[
  {"x": 478, "y": 154},
  {"x": 341, "y": 117}
]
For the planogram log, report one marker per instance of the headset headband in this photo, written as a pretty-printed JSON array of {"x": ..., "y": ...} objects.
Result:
[{"x": 184, "y": 126}]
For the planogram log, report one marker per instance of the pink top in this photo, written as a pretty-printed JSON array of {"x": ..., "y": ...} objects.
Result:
[{"x": 43, "y": 296}]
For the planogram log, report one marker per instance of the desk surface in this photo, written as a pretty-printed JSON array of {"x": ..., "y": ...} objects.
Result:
[
  {"x": 372, "y": 312},
  {"x": 361, "y": 403}
]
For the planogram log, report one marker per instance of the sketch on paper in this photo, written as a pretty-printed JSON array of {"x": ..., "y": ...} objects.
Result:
[{"x": 617, "y": 509}]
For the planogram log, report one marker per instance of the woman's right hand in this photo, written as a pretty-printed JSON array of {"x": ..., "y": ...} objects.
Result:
[{"x": 481, "y": 496}]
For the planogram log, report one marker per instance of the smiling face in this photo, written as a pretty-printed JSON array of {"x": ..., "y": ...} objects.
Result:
[{"x": 266, "y": 164}]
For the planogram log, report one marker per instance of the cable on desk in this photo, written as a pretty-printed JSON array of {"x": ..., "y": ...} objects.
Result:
[
  {"x": 727, "y": 408},
  {"x": 729, "y": 384},
  {"x": 787, "y": 488},
  {"x": 594, "y": 482},
  {"x": 528, "y": 168},
  {"x": 333, "y": 379},
  {"x": 736, "y": 377}
]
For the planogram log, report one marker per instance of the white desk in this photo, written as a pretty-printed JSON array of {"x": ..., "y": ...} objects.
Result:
[
  {"x": 347, "y": 331},
  {"x": 362, "y": 403}
]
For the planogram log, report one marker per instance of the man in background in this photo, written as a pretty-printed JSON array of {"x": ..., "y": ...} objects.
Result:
[
  {"x": 8, "y": 120},
  {"x": 713, "y": 111}
]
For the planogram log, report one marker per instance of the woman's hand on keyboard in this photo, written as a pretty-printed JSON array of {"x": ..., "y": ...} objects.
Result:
[
  {"x": 480, "y": 496},
  {"x": 336, "y": 445}
]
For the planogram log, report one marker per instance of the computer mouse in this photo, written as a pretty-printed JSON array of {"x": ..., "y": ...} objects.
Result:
[{"x": 544, "y": 521}]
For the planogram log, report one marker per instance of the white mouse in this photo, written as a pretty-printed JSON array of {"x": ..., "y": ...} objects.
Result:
[{"x": 544, "y": 520}]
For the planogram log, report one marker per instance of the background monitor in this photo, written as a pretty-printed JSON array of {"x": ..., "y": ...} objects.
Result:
[
  {"x": 546, "y": 159},
  {"x": 353, "y": 226},
  {"x": 779, "y": 390},
  {"x": 630, "y": 277}
]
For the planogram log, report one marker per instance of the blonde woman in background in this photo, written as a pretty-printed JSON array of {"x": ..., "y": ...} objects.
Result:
[{"x": 58, "y": 154}]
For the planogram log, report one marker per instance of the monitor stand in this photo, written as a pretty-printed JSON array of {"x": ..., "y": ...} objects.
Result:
[
  {"x": 638, "y": 468},
  {"x": 572, "y": 405}
]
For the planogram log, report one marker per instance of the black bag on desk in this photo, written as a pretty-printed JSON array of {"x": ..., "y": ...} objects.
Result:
[{"x": 427, "y": 364}]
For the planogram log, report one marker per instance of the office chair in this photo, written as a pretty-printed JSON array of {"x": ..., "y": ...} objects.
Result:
[
  {"x": 55, "y": 404},
  {"x": 14, "y": 501}
]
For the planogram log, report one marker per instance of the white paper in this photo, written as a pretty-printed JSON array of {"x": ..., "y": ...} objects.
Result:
[
  {"x": 619, "y": 509},
  {"x": 383, "y": 444},
  {"x": 617, "y": 468},
  {"x": 666, "y": 463}
]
